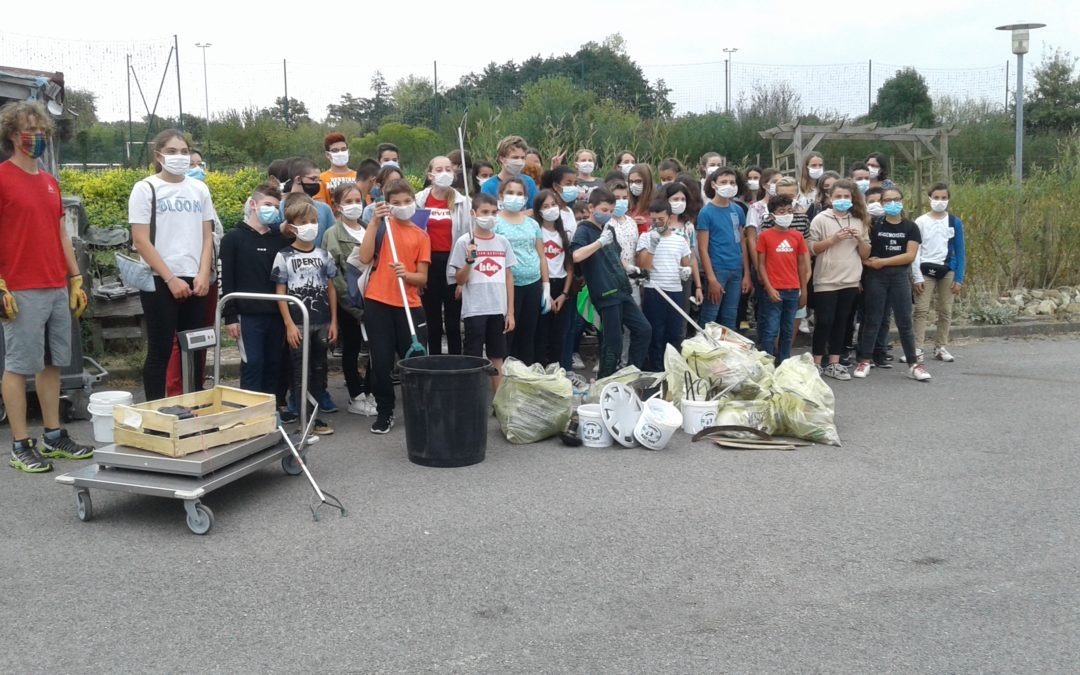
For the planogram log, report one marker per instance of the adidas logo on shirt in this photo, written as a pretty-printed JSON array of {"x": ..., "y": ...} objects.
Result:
[{"x": 785, "y": 247}]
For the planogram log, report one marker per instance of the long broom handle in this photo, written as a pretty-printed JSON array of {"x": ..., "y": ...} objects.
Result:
[{"x": 400, "y": 281}]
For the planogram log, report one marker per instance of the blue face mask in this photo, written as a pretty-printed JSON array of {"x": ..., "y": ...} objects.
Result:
[
  {"x": 569, "y": 193},
  {"x": 197, "y": 172},
  {"x": 513, "y": 203},
  {"x": 621, "y": 207},
  {"x": 863, "y": 185},
  {"x": 894, "y": 209},
  {"x": 270, "y": 216},
  {"x": 601, "y": 218},
  {"x": 841, "y": 205}
]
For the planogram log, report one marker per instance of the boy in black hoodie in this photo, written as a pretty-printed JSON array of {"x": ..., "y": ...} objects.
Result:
[{"x": 247, "y": 258}]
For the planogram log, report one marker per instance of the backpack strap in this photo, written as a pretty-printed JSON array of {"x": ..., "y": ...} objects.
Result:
[{"x": 153, "y": 212}]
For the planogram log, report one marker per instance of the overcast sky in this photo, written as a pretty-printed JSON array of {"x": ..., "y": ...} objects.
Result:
[{"x": 332, "y": 48}]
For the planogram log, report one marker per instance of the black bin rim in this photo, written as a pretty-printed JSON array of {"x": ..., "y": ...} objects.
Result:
[{"x": 416, "y": 364}]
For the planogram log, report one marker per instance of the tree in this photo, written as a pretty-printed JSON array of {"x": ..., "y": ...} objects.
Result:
[
  {"x": 381, "y": 103},
  {"x": 82, "y": 105},
  {"x": 771, "y": 105},
  {"x": 902, "y": 99},
  {"x": 348, "y": 108},
  {"x": 292, "y": 113},
  {"x": 414, "y": 100},
  {"x": 1054, "y": 103}
]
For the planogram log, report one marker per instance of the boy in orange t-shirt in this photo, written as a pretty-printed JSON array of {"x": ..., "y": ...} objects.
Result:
[{"x": 337, "y": 151}]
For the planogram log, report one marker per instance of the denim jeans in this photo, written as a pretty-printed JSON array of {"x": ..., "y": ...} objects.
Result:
[
  {"x": 614, "y": 318},
  {"x": 262, "y": 335},
  {"x": 667, "y": 325},
  {"x": 778, "y": 319},
  {"x": 728, "y": 307},
  {"x": 888, "y": 286}
]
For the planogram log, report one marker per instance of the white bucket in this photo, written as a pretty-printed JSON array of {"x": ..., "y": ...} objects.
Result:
[
  {"x": 657, "y": 424},
  {"x": 591, "y": 428},
  {"x": 100, "y": 408},
  {"x": 698, "y": 415}
]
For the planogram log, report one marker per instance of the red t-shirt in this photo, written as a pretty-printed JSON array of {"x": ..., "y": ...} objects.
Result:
[
  {"x": 31, "y": 255},
  {"x": 782, "y": 249},
  {"x": 440, "y": 227}
]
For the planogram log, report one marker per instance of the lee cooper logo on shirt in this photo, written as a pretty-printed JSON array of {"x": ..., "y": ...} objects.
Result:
[
  {"x": 488, "y": 266},
  {"x": 552, "y": 250}
]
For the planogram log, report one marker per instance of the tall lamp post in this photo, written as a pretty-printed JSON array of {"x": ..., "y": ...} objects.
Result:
[
  {"x": 206, "y": 92},
  {"x": 1020, "y": 47},
  {"x": 730, "y": 51}
]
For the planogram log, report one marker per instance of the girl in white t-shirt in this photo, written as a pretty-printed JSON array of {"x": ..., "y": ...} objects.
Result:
[
  {"x": 553, "y": 326},
  {"x": 179, "y": 251}
]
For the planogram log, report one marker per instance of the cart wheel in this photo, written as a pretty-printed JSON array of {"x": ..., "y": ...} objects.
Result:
[
  {"x": 3, "y": 413},
  {"x": 290, "y": 466},
  {"x": 84, "y": 508},
  {"x": 65, "y": 410},
  {"x": 202, "y": 521}
]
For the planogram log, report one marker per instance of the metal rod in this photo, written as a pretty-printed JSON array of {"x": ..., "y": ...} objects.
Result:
[
  {"x": 130, "y": 128},
  {"x": 869, "y": 86},
  {"x": 179, "y": 96},
  {"x": 1019, "y": 169},
  {"x": 285, "y": 73},
  {"x": 206, "y": 92}
]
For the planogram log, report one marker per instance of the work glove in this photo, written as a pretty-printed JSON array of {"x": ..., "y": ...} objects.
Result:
[
  {"x": 633, "y": 271},
  {"x": 685, "y": 272},
  {"x": 10, "y": 307},
  {"x": 76, "y": 295},
  {"x": 545, "y": 298},
  {"x": 652, "y": 240},
  {"x": 607, "y": 237}
]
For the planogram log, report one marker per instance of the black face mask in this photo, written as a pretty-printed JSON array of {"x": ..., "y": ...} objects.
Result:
[{"x": 311, "y": 189}]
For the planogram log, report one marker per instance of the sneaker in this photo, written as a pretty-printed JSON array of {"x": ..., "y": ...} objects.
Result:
[
  {"x": 25, "y": 457},
  {"x": 382, "y": 425},
  {"x": 942, "y": 354},
  {"x": 862, "y": 370},
  {"x": 804, "y": 327},
  {"x": 322, "y": 428},
  {"x": 326, "y": 404},
  {"x": 65, "y": 448},
  {"x": 359, "y": 405},
  {"x": 919, "y": 358},
  {"x": 287, "y": 416},
  {"x": 837, "y": 372},
  {"x": 596, "y": 368},
  {"x": 845, "y": 361},
  {"x": 578, "y": 362},
  {"x": 820, "y": 369},
  {"x": 882, "y": 361},
  {"x": 395, "y": 378},
  {"x": 918, "y": 372},
  {"x": 372, "y": 408}
]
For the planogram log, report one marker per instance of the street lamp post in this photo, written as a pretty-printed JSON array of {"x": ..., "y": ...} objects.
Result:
[
  {"x": 206, "y": 92},
  {"x": 730, "y": 51},
  {"x": 1020, "y": 47}
]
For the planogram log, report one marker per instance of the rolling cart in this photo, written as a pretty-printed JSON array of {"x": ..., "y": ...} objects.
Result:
[{"x": 189, "y": 478}]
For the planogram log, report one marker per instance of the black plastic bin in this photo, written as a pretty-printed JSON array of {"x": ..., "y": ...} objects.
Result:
[{"x": 447, "y": 404}]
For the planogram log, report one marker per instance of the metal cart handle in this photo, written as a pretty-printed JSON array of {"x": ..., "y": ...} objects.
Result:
[{"x": 267, "y": 297}]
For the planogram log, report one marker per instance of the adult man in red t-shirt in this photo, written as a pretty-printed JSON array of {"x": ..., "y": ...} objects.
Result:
[{"x": 40, "y": 285}]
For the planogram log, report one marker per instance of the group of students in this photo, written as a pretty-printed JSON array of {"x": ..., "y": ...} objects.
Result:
[{"x": 514, "y": 259}]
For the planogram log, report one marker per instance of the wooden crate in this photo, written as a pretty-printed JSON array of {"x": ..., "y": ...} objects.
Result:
[{"x": 223, "y": 415}]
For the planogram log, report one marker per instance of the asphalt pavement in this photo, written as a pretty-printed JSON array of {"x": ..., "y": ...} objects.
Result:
[{"x": 942, "y": 537}]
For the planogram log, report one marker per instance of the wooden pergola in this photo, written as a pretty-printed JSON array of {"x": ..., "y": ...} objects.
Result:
[{"x": 918, "y": 146}]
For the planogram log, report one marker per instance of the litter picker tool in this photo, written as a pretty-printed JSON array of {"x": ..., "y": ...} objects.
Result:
[
  {"x": 415, "y": 349},
  {"x": 323, "y": 497},
  {"x": 464, "y": 165},
  {"x": 713, "y": 341}
]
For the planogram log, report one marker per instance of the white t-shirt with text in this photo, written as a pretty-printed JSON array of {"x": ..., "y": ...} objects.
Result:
[{"x": 181, "y": 210}]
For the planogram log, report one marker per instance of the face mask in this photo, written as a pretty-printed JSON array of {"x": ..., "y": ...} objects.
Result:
[
  {"x": 841, "y": 205},
  {"x": 403, "y": 213},
  {"x": 727, "y": 191},
  {"x": 678, "y": 208},
  {"x": 660, "y": 227},
  {"x": 939, "y": 205},
  {"x": 626, "y": 168},
  {"x": 176, "y": 165},
  {"x": 753, "y": 185},
  {"x": 443, "y": 179},
  {"x": 863, "y": 185},
  {"x": 876, "y": 210},
  {"x": 601, "y": 218},
  {"x": 709, "y": 170},
  {"x": 514, "y": 166},
  {"x": 352, "y": 211},
  {"x": 197, "y": 172},
  {"x": 874, "y": 171},
  {"x": 816, "y": 172},
  {"x": 621, "y": 207},
  {"x": 550, "y": 214},
  {"x": 32, "y": 143},
  {"x": 307, "y": 232},
  {"x": 310, "y": 189},
  {"x": 569, "y": 193},
  {"x": 771, "y": 189},
  {"x": 784, "y": 221},
  {"x": 269, "y": 215},
  {"x": 891, "y": 209},
  {"x": 513, "y": 203},
  {"x": 486, "y": 223},
  {"x": 586, "y": 167},
  {"x": 636, "y": 189},
  {"x": 391, "y": 162},
  {"x": 339, "y": 158}
]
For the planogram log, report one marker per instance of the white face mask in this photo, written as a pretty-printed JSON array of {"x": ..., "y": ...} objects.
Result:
[
  {"x": 404, "y": 213},
  {"x": 636, "y": 189},
  {"x": 352, "y": 211},
  {"x": 626, "y": 168},
  {"x": 586, "y": 167},
  {"x": 177, "y": 165},
  {"x": 753, "y": 185},
  {"x": 875, "y": 209},
  {"x": 486, "y": 223},
  {"x": 784, "y": 221},
  {"x": 550, "y": 214},
  {"x": 339, "y": 158},
  {"x": 514, "y": 166},
  {"x": 678, "y": 208},
  {"x": 443, "y": 179},
  {"x": 875, "y": 171},
  {"x": 709, "y": 169},
  {"x": 939, "y": 205},
  {"x": 307, "y": 232},
  {"x": 816, "y": 172},
  {"x": 727, "y": 191}
]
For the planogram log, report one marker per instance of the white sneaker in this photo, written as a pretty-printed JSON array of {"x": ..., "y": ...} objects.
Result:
[
  {"x": 837, "y": 372},
  {"x": 358, "y": 405},
  {"x": 578, "y": 363},
  {"x": 596, "y": 368},
  {"x": 804, "y": 327},
  {"x": 942, "y": 354},
  {"x": 919, "y": 357},
  {"x": 862, "y": 370},
  {"x": 372, "y": 411},
  {"x": 918, "y": 372}
]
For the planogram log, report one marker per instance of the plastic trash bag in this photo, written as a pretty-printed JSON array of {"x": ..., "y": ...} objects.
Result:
[
  {"x": 622, "y": 376},
  {"x": 730, "y": 364},
  {"x": 757, "y": 414},
  {"x": 804, "y": 406},
  {"x": 531, "y": 405}
]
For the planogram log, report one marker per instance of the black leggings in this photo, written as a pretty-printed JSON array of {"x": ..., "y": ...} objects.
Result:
[
  {"x": 551, "y": 328},
  {"x": 164, "y": 316},
  {"x": 439, "y": 305},
  {"x": 526, "y": 316},
  {"x": 351, "y": 340},
  {"x": 831, "y": 309}
]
